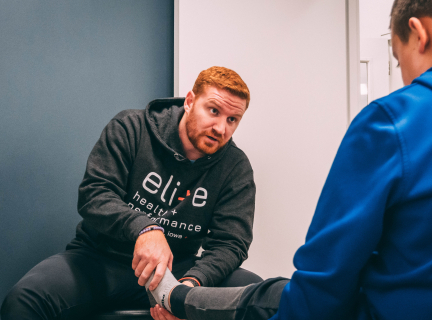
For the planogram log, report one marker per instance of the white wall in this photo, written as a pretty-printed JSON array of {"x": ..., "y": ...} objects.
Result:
[
  {"x": 374, "y": 18},
  {"x": 376, "y": 52},
  {"x": 374, "y": 24},
  {"x": 292, "y": 55}
]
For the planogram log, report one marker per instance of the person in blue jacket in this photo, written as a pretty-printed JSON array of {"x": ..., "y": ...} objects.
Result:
[{"x": 368, "y": 250}]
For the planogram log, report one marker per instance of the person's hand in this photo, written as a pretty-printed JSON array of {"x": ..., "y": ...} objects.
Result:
[
  {"x": 159, "y": 313},
  {"x": 188, "y": 283},
  {"x": 151, "y": 252}
]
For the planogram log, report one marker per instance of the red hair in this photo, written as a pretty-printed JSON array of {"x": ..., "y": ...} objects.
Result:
[{"x": 223, "y": 78}]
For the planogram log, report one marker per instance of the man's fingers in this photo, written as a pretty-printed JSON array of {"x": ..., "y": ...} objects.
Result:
[
  {"x": 140, "y": 268},
  {"x": 166, "y": 315},
  {"x": 135, "y": 261},
  {"x": 159, "y": 273},
  {"x": 170, "y": 262},
  {"x": 145, "y": 275},
  {"x": 154, "y": 313},
  {"x": 159, "y": 313}
]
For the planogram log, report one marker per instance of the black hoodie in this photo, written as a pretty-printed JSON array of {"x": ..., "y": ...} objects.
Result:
[{"x": 137, "y": 176}]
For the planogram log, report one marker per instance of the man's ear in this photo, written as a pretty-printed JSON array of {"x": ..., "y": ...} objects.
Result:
[
  {"x": 189, "y": 101},
  {"x": 418, "y": 30}
]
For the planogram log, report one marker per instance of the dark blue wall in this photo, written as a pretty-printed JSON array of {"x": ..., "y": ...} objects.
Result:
[{"x": 66, "y": 68}]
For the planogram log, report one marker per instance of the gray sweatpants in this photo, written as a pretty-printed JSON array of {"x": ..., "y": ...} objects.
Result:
[{"x": 255, "y": 301}]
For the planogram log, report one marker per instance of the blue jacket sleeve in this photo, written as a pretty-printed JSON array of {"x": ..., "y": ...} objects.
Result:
[{"x": 365, "y": 180}]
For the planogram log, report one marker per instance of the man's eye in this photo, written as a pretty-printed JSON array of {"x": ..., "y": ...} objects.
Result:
[
  {"x": 213, "y": 110},
  {"x": 232, "y": 119}
]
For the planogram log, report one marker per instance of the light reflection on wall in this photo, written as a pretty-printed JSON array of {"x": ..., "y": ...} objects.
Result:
[{"x": 364, "y": 98}]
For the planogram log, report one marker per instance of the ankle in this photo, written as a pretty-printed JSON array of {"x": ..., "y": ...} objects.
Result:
[
  {"x": 176, "y": 300},
  {"x": 169, "y": 296}
]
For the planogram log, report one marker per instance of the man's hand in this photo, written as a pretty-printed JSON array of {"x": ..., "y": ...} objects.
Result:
[
  {"x": 159, "y": 313},
  {"x": 151, "y": 252},
  {"x": 188, "y": 283}
]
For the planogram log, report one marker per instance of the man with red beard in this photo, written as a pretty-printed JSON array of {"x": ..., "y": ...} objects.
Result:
[{"x": 160, "y": 183}]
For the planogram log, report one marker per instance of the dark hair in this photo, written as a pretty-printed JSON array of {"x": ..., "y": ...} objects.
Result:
[{"x": 403, "y": 10}]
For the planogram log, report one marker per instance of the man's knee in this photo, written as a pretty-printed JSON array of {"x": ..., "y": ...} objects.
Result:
[
  {"x": 240, "y": 278},
  {"x": 24, "y": 301},
  {"x": 36, "y": 296}
]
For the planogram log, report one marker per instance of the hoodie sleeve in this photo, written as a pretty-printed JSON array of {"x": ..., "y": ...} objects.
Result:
[
  {"x": 366, "y": 178},
  {"x": 103, "y": 189},
  {"x": 230, "y": 233}
]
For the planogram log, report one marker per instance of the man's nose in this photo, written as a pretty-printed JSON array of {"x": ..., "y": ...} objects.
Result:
[{"x": 219, "y": 127}]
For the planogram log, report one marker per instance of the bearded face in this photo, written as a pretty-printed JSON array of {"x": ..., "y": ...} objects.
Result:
[
  {"x": 210, "y": 120},
  {"x": 207, "y": 141}
]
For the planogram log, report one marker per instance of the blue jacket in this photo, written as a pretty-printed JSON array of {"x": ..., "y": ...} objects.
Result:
[{"x": 368, "y": 251}]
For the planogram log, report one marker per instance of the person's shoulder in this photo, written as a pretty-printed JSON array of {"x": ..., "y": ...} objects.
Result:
[
  {"x": 235, "y": 150},
  {"x": 417, "y": 93},
  {"x": 235, "y": 154},
  {"x": 166, "y": 102},
  {"x": 130, "y": 119},
  {"x": 129, "y": 114},
  {"x": 407, "y": 101}
]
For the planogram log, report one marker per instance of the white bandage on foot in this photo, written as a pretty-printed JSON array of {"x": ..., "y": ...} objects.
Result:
[{"x": 161, "y": 293}]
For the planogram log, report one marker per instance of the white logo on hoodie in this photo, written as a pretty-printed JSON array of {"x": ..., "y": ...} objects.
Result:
[{"x": 153, "y": 182}]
